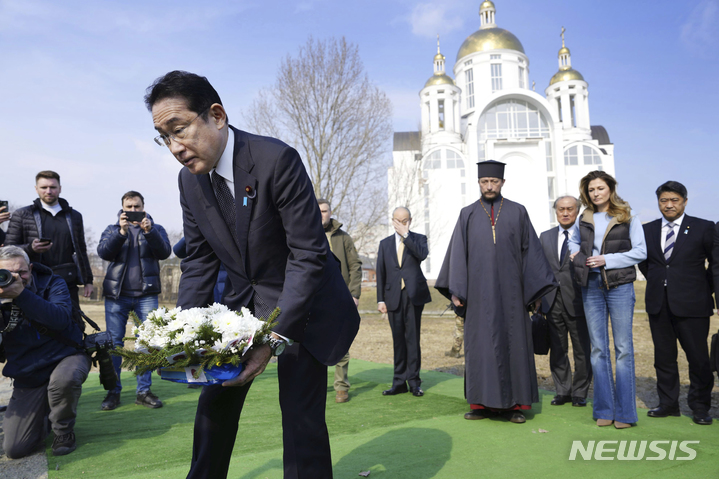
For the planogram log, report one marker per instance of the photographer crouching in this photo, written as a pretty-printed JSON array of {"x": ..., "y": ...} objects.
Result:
[{"x": 36, "y": 332}]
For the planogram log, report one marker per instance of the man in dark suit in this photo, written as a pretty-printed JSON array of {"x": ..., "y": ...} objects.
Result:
[
  {"x": 248, "y": 204},
  {"x": 565, "y": 311},
  {"x": 402, "y": 293},
  {"x": 679, "y": 301}
]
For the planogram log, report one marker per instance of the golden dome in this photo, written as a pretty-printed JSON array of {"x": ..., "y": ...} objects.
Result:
[
  {"x": 441, "y": 79},
  {"x": 566, "y": 75},
  {"x": 438, "y": 56},
  {"x": 489, "y": 39},
  {"x": 564, "y": 51},
  {"x": 486, "y": 4}
]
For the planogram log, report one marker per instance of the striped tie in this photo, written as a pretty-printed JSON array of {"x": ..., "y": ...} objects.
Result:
[{"x": 669, "y": 242}]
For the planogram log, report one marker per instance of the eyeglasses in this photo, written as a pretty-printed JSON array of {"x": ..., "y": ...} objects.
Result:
[{"x": 178, "y": 134}]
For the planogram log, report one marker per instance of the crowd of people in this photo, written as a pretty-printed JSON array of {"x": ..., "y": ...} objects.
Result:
[{"x": 256, "y": 236}]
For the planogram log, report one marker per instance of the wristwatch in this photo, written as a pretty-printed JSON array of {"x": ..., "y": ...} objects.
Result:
[{"x": 277, "y": 345}]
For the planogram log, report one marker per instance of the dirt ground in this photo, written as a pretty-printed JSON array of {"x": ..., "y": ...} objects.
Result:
[{"x": 374, "y": 343}]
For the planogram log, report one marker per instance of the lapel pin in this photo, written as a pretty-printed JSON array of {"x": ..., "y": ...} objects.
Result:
[{"x": 251, "y": 193}]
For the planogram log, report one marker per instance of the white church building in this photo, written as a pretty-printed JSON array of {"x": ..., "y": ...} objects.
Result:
[{"x": 487, "y": 110}]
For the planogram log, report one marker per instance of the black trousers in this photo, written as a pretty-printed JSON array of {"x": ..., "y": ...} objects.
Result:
[
  {"x": 405, "y": 323},
  {"x": 303, "y": 397},
  {"x": 562, "y": 324},
  {"x": 692, "y": 334}
]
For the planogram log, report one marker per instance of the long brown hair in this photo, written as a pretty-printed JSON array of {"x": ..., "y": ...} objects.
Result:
[{"x": 618, "y": 208}]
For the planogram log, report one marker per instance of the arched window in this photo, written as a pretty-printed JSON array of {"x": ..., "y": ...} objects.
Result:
[
  {"x": 591, "y": 156},
  {"x": 433, "y": 161},
  {"x": 513, "y": 119},
  {"x": 454, "y": 160},
  {"x": 587, "y": 155}
]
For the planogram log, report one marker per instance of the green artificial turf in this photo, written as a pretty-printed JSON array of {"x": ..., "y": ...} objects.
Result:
[{"x": 393, "y": 437}]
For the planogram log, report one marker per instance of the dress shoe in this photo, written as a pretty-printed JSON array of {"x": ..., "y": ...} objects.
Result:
[
  {"x": 604, "y": 422},
  {"x": 579, "y": 402},
  {"x": 560, "y": 400},
  {"x": 662, "y": 411},
  {"x": 147, "y": 399},
  {"x": 416, "y": 391},
  {"x": 621, "y": 425},
  {"x": 342, "y": 396},
  {"x": 111, "y": 401},
  {"x": 402, "y": 388},
  {"x": 702, "y": 418},
  {"x": 515, "y": 417},
  {"x": 476, "y": 414}
]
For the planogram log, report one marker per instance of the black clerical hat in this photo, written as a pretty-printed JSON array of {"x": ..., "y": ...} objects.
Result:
[{"x": 491, "y": 168}]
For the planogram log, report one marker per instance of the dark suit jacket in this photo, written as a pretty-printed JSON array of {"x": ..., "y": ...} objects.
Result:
[
  {"x": 715, "y": 264},
  {"x": 689, "y": 283},
  {"x": 564, "y": 273},
  {"x": 389, "y": 274},
  {"x": 283, "y": 251}
]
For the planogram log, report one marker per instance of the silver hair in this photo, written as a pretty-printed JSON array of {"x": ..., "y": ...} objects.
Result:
[
  {"x": 403, "y": 208},
  {"x": 579, "y": 203},
  {"x": 10, "y": 252}
]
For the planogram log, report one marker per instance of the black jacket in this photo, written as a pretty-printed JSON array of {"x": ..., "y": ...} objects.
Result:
[
  {"x": 564, "y": 273},
  {"x": 25, "y": 226},
  {"x": 113, "y": 246},
  {"x": 31, "y": 356},
  {"x": 281, "y": 251},
  {"x": 616, "y": 240},
  {"x": 688, "y": 281},
  {"x": 390, "y": 274}
]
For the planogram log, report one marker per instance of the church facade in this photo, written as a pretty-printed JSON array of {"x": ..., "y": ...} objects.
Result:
[{"x": 487, "y": 110}]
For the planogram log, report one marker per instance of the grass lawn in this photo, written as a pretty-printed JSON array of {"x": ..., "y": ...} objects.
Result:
[{"x": 393, "y": 437}]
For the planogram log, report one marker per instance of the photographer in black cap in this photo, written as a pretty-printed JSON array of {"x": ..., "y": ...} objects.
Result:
[{"x": 37, "y": 328}]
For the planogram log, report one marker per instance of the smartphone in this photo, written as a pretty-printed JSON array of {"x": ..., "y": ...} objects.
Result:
[
  {"x": 133, "y": 216},
  {"x": 45, "y": 240},
  {"x": 5, "y": 204}
]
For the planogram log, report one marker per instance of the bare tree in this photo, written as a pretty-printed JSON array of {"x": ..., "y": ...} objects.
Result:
[{"x": 324, "y": 104}]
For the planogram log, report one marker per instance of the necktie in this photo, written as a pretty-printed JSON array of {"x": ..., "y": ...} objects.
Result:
[
  {"x": 226, "y": 202},
  {"x": 565, "y": 245},
  {"x": 400, "y": 252},
  {"x": 669, "y": 242}
]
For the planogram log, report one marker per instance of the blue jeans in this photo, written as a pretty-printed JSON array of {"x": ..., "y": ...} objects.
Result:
[
  {"x": 611, "y": 402},
  {"x": 116, "y": 313}
]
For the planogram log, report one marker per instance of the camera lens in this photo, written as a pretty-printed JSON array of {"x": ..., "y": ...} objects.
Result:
[{"x": 6, "y": 278}]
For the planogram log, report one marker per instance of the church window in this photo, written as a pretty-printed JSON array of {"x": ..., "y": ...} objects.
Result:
[
  {"x": 495, "y": 57},
  {"x": 454, "y": 160},
  {"x": 571, "y": 157},
  {"x": 426, "y": 215},
  {"x": 433, "y": 161},
  {"x": 461, "y": 173},
  {"x": 440, "y": 113},
  {"x": 548, "y": 154},
  {"x": 591, "y": 157},
  {"x": 496, "y": 76},
  {"x": 468, "y": 63},
  {"x": 573, "y": 110},
  {"x": 512, "y": 119},
  {"x": 521, "y": 77},
  {"x": 464, "y": 188},
  {"x": 426, "y": 190},
  {"x": 550, "y": 187},
  {"x": 469, "y": 81}
]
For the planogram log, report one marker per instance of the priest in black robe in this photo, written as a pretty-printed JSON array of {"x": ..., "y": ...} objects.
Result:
[{"x": 495, "y": 272}]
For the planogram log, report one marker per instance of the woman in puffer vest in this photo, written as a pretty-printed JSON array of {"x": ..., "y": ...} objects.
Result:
[{"x": 608, "y": 245}]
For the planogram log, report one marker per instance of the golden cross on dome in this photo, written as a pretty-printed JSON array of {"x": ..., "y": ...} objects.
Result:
[
  {"x": 562, "y": 35},
  {"x": 438, "y": 43}
]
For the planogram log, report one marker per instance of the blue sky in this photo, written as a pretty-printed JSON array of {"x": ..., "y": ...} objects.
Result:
[{"x": 74, "y": 74}]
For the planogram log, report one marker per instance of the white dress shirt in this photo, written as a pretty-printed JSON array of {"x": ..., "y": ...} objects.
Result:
[
  {"x": 665, "y": 230},
  {"x": 560, "y": 239},
  {"x": 224, "y": 166}
]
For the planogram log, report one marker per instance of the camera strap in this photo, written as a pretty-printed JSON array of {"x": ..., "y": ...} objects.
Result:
[
  {"x": 16, "y": 318},
  {"x": 54, "y": 335}
]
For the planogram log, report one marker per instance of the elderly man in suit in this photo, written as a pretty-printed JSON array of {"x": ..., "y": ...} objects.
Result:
[
  {"x": 565, "y": 311},
  {"x": 402, "y": 293},
  {"x": 248, "y": 204},
  {"x": 679, "y": 301}
]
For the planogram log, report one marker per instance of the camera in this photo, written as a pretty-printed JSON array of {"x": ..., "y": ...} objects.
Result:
[
  {"x": 133, "y": 216},
  {"x": 6, "y": 278},
  {"x": 98, "y": 347}
]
